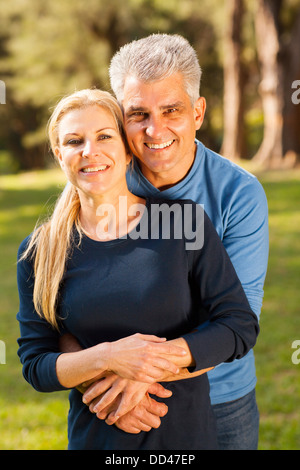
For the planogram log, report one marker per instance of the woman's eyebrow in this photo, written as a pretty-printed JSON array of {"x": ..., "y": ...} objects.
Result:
[{"x": 96, "y": 132}]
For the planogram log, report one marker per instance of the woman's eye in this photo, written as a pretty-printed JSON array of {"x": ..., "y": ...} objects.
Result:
[
  {"x": 104, "y": 137},
  {"x": 74, "y": 142}
]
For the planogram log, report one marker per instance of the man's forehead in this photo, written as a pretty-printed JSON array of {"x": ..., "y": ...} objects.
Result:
[{"x": 140, "y": 95}]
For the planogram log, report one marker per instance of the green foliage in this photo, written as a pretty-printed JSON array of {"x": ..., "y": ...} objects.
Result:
[
  {"x": 29, "y": 420},
  {"x": 49, "y": 49}
]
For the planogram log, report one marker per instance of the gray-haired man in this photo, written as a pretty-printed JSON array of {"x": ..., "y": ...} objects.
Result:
[{"x": 156, "y": 81}]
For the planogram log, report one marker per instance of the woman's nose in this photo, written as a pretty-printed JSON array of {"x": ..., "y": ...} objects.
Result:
[{"x": 90, "y": 149}]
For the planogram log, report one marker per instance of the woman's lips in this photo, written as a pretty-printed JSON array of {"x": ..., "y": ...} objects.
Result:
[{"x": 94, "y": 169}]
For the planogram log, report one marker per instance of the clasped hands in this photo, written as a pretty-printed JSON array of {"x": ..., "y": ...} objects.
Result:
[{"x": 121, "y": 394}]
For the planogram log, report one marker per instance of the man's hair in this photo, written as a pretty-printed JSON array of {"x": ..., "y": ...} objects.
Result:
[{"x": 153, "y": 58}]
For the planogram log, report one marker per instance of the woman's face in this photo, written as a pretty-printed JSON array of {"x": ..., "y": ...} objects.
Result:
[{"x": 91, "y": 151}]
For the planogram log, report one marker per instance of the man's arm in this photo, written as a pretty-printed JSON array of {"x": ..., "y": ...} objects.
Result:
[{"x": 148, "y": 412}]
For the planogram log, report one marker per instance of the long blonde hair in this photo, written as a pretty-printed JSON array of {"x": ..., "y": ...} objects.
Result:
[{"x": 51, "y": 243}]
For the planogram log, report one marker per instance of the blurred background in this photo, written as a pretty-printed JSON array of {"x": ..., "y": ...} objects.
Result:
[{"x": 250, "y": 55}]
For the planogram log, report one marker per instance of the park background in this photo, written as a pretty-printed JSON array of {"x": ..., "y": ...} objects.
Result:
[{"x": 250, "y": 54}]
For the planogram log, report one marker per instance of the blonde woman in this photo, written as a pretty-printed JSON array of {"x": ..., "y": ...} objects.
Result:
[{"x": 137, "y": 304}]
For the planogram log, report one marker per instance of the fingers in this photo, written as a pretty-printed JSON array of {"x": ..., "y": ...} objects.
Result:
[
  {"x": 160, "y": 391},
  {"x": 145, "y": 416},
  {"x": 153, "y": 338},
  {"x": 159, "y": 365},
  {"x": 98, "y": 388},
  {"x": 106, "y": 400}
]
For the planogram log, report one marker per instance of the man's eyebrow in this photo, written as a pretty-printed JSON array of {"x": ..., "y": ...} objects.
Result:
[
  {"x": 178, "y": 104},
  {"x": 134, "y": 109}
]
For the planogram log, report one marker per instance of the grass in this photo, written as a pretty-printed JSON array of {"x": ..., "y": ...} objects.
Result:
[{"x": 34, "y": 421}]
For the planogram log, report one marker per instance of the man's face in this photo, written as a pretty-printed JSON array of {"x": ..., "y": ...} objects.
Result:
[{"x": 161, "y": 125}]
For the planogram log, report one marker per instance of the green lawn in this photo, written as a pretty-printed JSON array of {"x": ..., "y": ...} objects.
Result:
[{"x": 30, "y": 420}]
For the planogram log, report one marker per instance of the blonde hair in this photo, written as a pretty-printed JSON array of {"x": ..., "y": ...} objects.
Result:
[{"x": 51, "y": 243}]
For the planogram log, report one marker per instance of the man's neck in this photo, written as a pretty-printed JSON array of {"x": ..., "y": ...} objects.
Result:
[{"x": 165, "y": 180}]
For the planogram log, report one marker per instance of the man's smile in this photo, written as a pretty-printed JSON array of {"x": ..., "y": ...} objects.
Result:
[{"x": 159, "y": 146}]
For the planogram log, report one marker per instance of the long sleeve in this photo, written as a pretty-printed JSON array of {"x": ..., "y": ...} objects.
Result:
[
  {"x": 246, "y": 239},
  {"x": 232, "y": 328},
  {"x": 38, "y": 343}
]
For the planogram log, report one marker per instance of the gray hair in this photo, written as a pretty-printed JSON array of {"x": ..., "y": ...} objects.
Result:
[{"x": 153, "y": 58}]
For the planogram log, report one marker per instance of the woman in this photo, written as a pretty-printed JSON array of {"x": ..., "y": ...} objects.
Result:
[{"x": 93, "y": 270}]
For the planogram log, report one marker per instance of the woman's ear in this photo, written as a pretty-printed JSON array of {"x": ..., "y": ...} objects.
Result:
[
  {"x": 128, "y": 157},
  {"x": 58, "y": 156}
]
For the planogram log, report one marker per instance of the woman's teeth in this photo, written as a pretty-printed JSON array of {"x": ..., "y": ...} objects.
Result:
[{"x": 94, "y": 169}]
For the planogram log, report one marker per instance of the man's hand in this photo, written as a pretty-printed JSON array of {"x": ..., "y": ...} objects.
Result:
[
  {"x": 143, "y": 417},
  {"x": 113, "y": 397}
]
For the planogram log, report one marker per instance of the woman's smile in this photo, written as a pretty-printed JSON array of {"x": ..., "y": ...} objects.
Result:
[
  {"x": 91, "y": 152},
  {"x": 95, "y": 169}
]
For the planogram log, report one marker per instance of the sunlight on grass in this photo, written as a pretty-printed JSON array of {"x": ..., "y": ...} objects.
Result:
[
  {"x": 33, "y": 429},
  {"x": 278, "y": 387},
  {"x": 29, "y": 420}
]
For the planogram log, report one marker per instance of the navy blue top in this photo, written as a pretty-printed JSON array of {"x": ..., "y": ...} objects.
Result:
[
  {"x": 236, "y": 203},
  {"x": 155, "y": 284}
]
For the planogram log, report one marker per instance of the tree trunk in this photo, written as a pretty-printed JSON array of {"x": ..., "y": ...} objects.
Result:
[
  {"x": 271, "y": 87},
  {"x": 291, "y": 123},
  {"x": 233, "y": 142}
]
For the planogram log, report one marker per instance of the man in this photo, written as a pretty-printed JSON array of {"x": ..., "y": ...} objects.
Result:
[{"x": 157, "y": 81}]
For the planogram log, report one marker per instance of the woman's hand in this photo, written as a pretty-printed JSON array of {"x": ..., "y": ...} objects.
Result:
[{"x": 143, "y": 358}]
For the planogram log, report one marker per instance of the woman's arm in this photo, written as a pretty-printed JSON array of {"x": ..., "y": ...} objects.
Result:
[{"x": 144, "y": 358}]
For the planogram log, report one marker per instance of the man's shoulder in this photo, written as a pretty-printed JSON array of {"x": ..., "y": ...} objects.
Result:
[{"x": 225, "y": 173}]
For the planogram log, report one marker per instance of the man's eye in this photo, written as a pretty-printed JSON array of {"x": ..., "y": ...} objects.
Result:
[
  {"x": 171, "y": 110},
  {"x": 137, "y": 115}
]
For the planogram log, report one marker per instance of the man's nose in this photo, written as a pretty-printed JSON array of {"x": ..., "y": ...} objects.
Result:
[{"x": 155, "y": 127}]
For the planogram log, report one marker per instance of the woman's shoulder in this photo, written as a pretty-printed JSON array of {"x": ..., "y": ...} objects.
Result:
[{"x": 24, "y": 245}]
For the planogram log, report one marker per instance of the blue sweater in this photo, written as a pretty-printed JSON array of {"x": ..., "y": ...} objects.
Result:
[
  {"x": 152, "y": 285},
  {"x": 236, "y": 204}
]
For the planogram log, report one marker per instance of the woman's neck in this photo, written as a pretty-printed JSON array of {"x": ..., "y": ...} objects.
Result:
[{"x": 110, "y": 217}]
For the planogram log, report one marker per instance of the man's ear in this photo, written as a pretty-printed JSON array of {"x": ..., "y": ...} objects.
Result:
[{"x": 199, "y": 111}]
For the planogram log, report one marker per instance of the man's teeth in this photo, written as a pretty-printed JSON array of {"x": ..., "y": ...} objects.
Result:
[
  {"x": 160, "y": 146},
  {"x": 95, "y": 168}
]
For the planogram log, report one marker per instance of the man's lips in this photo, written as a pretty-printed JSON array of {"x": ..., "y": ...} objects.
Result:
[{"x": 161, "y": 146}]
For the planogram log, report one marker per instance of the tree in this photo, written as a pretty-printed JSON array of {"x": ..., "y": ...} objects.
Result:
[
  {"x": 279, "y": 63},
  {"x": 51, "y": 48},
  {"x": 234, "y": 79}
]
